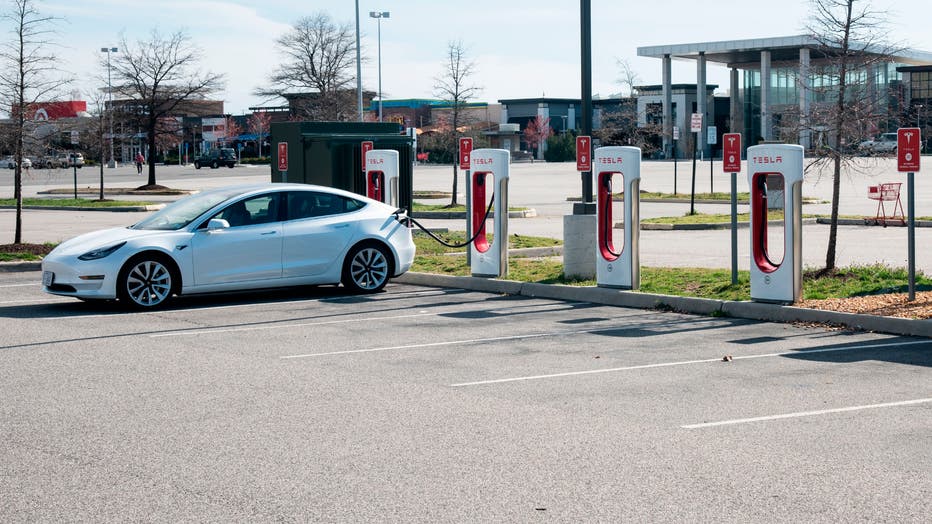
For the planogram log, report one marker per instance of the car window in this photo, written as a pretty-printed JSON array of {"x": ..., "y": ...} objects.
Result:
[
  {"x": 309, "y": 204},
  {"x": 251, "y": 211}
]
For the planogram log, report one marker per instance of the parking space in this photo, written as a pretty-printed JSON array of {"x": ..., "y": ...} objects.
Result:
[{"x": 423, "y": 404}]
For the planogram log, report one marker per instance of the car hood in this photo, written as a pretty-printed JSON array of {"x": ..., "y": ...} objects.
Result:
[{"x": 103, "y": 238}]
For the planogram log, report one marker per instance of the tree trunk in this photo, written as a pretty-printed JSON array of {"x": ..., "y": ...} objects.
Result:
[
  {"x": 833, "y": 228},
  {"x": 150, "y": 141}
]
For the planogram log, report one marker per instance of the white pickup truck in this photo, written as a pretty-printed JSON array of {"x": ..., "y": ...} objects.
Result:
[{"x": 884, "y": 144}]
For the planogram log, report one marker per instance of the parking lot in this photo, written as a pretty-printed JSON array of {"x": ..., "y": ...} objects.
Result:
[{"x": 421, "y": 404}]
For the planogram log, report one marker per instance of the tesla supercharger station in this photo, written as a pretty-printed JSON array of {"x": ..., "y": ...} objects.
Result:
[
  {"x": 617, "y": 269},
  {"x": 778, "y": 281},
  {"x": 382, "y": 175},
  {"x": 489, "y": 179}
]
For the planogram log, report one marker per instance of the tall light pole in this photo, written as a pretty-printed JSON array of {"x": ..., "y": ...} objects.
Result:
[
  {"x": 110, "y": 50},
  {"x": 358, "y": 68},
  {"x": 379, "y": 15}
]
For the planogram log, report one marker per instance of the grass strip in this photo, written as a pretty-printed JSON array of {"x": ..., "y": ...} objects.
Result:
[{"x": 70, "y": 202}]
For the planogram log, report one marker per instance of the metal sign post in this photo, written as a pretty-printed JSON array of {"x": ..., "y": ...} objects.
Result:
[
  {"x": 711, "y": 139},
  {"x": 676, "y": 137},
  {"x": 908, "y": 149},
  {"x": 731, "y": 163},
  {"x": 695, "y": 126}
]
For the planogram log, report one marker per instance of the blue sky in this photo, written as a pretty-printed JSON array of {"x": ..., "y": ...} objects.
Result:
[{"x": 521, "y": 48}]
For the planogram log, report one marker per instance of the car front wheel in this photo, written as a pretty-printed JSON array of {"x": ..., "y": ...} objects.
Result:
[
  {"x": 366, "y": 269},
  {"x": 214, "y": 165},
  {"x": 197, "y": 165},
  {"x": 145, "y": 282}
]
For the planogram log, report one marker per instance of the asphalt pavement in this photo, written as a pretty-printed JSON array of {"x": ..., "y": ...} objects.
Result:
[{"x": 442, "y": 405}]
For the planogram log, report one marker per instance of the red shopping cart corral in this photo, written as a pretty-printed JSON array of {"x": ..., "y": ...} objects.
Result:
[{"x": 889, "y": 192}]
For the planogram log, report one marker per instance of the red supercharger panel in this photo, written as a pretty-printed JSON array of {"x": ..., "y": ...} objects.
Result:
[
  {"x": 283, "y": 156},
  {"x": 731, "y": 153},
  {"x": 583, "y": 153},
  {"x": 908, "y": 149},
  {"x": 465, "y": 150},
  {"x": 366, "y": 146}
]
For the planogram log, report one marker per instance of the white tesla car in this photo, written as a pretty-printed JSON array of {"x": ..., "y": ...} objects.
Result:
[{"x": 236, "y": 238}]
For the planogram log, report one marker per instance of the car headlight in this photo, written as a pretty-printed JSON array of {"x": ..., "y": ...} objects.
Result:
[{"x": 102, "y": 252}]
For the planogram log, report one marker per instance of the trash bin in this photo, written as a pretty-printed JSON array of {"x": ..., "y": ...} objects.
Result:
[{"x": 330, "y": 154}]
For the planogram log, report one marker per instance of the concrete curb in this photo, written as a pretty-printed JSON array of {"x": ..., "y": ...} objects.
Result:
[
  {"x": 10, "y": 267},
  {"x": 871, "y": 221},
  {"x": 445, "y": 215},
  {"x": 703, "y": 226},
  {"x": 118, "y": 209},
  {"x": 697, "y": 306}
]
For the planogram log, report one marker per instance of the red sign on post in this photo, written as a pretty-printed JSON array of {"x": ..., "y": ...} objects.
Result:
[
  {"x": 367, "y": 146},
  {"x": 283, "y": 156},
  {"x": 908, "y": 149},
  {"x": 583, "y": 153},
  {"x": 465, "y": 151},
  {"x": 731, "y": 152}
]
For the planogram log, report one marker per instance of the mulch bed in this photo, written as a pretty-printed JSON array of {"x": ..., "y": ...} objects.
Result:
[{"x": 32, "y": 249}]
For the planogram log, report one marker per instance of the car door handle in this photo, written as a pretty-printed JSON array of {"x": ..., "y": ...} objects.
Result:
[
  {"x": 267, "y": 233},
  {"x": 340, "y": 226}
]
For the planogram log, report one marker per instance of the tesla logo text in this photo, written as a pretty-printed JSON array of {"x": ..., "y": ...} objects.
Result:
[
  {"x": 376, "y": 160},
  {"x": 615, "y": 160},
  {"x": 481, "y": 161},
  {"x": 768, "y": 159}
]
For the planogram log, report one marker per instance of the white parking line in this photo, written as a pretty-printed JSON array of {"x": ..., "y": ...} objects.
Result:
[
  {"x": 20, "y": 285},
  {"x": 801, "y": 414},
  {"x": 212, "y": 331},
  {"x": 188, "y": 310},
  {"x": 687, "y": 362},
  {"x": 438, "y": 344}
]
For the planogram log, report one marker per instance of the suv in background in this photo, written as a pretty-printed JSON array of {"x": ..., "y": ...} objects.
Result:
[
  {"x": 885, "y": 143},
  {"x": 215, "y": 158}
]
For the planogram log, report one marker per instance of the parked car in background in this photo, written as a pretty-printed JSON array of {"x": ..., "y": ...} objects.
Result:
[
  {"x": 69, "y": 160},
  {"x": 237, "y": 238},
  {"x": 215, "y": 158},
  {"x": 10, "y": 162},
  {"x": 884, "y": 144}
]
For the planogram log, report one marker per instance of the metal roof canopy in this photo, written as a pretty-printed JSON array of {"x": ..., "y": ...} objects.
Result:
[{"x": 745, "y": 54}]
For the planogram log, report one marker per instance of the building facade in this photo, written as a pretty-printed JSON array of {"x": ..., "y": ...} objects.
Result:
[{"x": 785, "y": 81}]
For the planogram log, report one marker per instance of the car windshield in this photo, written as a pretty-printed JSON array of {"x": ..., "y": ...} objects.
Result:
[{"x": 181, "y": 213}]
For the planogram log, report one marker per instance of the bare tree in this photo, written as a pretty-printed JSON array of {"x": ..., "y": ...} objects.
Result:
[
  {"x": 320, "y": 61},
  {"x": 850, "y": 34},
  {"x": 628, "y": 78},
  {"x": 161, "y": 75},
  {"x": 28, "y": 74},
  {"x": 454, "y": 87}
]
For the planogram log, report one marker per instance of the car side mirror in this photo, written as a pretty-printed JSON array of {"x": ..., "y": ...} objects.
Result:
[{"x": 217, "y": 223}]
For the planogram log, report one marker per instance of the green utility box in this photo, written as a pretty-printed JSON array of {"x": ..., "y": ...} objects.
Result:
[{"x": 330, "y": 154}]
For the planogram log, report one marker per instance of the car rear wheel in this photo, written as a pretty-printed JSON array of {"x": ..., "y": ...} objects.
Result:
[
  {"x": 145, "y": 282},
  {"x": 366, "y": 269}
]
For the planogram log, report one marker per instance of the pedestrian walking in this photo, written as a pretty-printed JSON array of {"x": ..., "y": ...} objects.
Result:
[{"x": 139, "y": 160}]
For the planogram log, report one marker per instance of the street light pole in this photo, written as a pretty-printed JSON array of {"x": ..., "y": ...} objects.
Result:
[
  {"x": 379, "y": 15},
  {"x": 112, "y": 163},
  {"x": 358, "y": 68}
]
